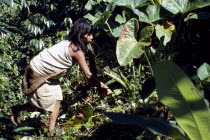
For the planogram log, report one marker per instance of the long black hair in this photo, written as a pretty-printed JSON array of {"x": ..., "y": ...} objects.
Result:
[{"x": 78, "y": 30}]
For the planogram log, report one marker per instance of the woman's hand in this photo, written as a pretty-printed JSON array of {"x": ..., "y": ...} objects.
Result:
[
  {"x": 106, "y": 90},
  {"x": 109, "y": 91}
]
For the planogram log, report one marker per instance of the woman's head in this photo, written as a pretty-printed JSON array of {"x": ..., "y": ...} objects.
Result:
[{"x": 81, "y": 34}]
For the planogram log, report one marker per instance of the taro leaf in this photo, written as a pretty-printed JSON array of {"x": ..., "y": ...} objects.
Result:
[
  {"x": 151, "y": 16},
  {"x": 203, "y": 71},
  {"x": 145, "y": 35},
  {"x": 165, "y": 30},
  {"x": 99, "y": 19},
  {"x": 176, "y": 91},
  {"x": 202, "y": 15},
  {"x": 117, "y": 30},
  {"x": 89, "y": 5},
  {"x": 132, "y": 4},
  {"x": 154, "y": 125},
  {"x": 92, "y": 18},
  {"x": 104, "y": 18},
  {"x": 183, "y": 6},
  {"x": 121, "y": 19},
  {"x": 147, "y": 32},
  {"x": 127, "y": 45}
]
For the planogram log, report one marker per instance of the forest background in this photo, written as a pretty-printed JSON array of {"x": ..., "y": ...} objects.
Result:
[{"x": 154, "y": 54}]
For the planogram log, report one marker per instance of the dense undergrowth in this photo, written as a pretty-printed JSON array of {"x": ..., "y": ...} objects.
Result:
[{"x": 142, "y": 79}]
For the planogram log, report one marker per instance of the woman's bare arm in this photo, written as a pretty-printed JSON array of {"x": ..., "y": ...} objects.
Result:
[{"x": 80, "y": 58}]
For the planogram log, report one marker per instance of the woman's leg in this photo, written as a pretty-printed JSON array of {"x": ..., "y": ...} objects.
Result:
[
  {"x": 17, "y": 109},
  {"x": 54, "y": 115}
]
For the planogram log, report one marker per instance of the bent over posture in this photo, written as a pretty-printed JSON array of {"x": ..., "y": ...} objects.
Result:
[{"x": 40, "y": 80}]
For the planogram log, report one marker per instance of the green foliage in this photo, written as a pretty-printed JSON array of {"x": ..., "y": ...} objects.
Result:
[
  {"x": 183, "y": 6},
  {"x": 154, "y": 125},
  {"x": 127, "y": 45},
  {"x": 177, "y": 92},
  {"x": 134, "y": 34},
  {"x": 204, "y": 72}
]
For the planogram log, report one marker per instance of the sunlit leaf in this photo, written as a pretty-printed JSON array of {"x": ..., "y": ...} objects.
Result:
[
  {"x": 176, "y": 91},
  {"x": 165, "y": 30},
  {"x": 183, "y": 6},
  {"x": 155, "y": 2},
  {"x": 117, "y": 31},
  {"x": 204, "y": 71},
  {"x": 121, "y": 19},
  {"x": 127, "y": 45},
  {"x": 132, "y": 4},
  {"x": 151, "y": 16}
]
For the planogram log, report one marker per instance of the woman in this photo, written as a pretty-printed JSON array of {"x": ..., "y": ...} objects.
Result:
[{"x": 40, "y": 82}]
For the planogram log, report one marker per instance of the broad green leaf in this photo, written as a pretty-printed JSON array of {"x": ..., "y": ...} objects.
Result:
[
  {"x": 202, "y": 15},
  {"x": 92, "y": 18},
  {"x": 204, "y": 71},
  {"x": 127, "y": 45},
  {"x": 120, "y": 19},
  {"x": 104, "y": 18},
  {"x": 183, "y": 6},
  {"x": 132, "y": 4},
  {"x": 176, "y": 91},
  {"x": 117, "y": 31},
  {"x": 150, "y": 16},
  {"x": 166, "y": 31},
  {"x": 146, "y": 32},
  {"x": 89, "y": 4},
  {"x": 154, "y": 125}
]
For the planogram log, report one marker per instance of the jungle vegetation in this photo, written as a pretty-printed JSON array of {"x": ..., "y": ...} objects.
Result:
[{"x": 154, "y": 55}]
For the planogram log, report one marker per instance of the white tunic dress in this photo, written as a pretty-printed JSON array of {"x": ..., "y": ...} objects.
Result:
[{"x": 50, "y": 60}]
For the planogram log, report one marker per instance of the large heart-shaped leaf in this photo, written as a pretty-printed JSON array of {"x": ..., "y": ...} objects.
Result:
[
  {"x": 165, "y": 30},
  {"x": 176, "y": 91},
  {"x": 127, "y": 45},
  {"x": 154, "y": 125},
  {"x": 183, "y": 6},
  {"x": 104, "y": 18},
  {"x": 132, "y": 4},
  {"x": 150, "y": 16}
]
